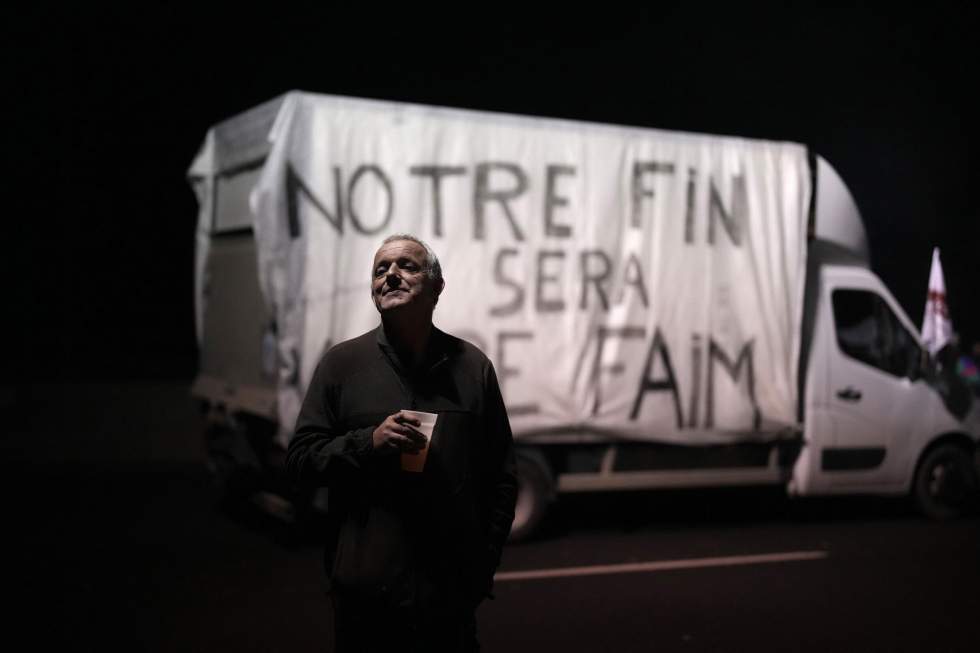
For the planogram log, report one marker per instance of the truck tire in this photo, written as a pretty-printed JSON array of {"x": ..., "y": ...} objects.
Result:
[
  {"x": 945, "y": 484},
  {"x": 534, "y": 492}
]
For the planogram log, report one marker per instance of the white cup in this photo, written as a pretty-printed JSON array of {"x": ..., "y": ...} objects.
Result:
[{"x": 414, "y": 462}]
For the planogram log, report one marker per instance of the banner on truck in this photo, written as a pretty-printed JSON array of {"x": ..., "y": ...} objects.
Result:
[{"x": 625, "y": 282}]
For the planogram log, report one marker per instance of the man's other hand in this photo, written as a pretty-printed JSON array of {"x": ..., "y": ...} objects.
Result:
[{"x": 396, "y": 434}]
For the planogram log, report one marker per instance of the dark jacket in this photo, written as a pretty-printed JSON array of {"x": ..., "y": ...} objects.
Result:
[{"x": 406, "y": 538}]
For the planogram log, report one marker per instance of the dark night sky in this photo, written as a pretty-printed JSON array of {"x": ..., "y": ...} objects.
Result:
[{"x": 109, "y": 109}]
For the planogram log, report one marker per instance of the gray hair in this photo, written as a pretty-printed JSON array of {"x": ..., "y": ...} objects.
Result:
[{"x": 433, "y": 269}]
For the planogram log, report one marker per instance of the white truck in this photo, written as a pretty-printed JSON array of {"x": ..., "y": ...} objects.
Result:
[{"x": 663, "y": 309}]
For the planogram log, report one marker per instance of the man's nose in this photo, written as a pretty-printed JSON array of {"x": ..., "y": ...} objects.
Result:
[{"x": 393, "y": 280}]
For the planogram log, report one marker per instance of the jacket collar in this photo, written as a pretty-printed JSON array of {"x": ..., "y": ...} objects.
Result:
[{"x": 436, "y": 351}]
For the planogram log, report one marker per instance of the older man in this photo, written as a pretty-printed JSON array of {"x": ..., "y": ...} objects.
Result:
[{"x": 411, "y": 554}]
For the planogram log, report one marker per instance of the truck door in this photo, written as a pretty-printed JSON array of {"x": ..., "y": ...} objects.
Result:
[{"x": 876, "y": 404}]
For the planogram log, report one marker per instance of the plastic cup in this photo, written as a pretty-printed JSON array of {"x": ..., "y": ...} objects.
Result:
[{"x": 414, "y": 462}]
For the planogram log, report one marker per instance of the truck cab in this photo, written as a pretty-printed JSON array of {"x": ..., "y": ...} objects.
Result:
[{"x": 879, "y": 415}]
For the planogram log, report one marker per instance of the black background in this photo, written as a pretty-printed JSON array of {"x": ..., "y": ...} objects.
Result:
[{"x": 107, "y": 110}]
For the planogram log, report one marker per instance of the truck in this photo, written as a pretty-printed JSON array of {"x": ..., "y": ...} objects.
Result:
[{"x": 663, "y": 309}]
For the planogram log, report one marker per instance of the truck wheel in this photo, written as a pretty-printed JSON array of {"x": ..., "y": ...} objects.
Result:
[
  {"x": 945, "y": 483},
  {"x": 534, "y": 492}
]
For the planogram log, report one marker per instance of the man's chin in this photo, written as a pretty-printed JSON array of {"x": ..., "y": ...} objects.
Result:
[{"x": 389, "y": 304}]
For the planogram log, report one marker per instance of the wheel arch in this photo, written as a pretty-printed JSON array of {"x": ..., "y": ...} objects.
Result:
[
  {"x": 955, "y": 438},
  {"x": 537, "y": 456},
  {"x": 945, "y": 482}
]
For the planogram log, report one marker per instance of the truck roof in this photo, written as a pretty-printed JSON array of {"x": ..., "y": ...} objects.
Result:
[{"x": 244, "y": 140}]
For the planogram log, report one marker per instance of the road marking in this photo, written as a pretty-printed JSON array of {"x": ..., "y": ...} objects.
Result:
[{"x": 661, "y": 565}]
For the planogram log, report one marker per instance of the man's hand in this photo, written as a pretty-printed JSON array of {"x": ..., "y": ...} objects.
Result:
[{"x": 396, "y": 434}]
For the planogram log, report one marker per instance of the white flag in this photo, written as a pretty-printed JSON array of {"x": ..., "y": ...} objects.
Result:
[{"x": 937, "y": 329}]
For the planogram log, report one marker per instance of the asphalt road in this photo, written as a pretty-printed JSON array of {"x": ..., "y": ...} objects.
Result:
[{"x": 142, "y": 558}]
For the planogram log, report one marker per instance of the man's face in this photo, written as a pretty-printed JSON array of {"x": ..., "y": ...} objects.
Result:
[{"x": 399, "y": 279}]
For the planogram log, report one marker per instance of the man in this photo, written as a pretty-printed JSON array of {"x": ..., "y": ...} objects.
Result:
[{"x": 410, "y": 555}]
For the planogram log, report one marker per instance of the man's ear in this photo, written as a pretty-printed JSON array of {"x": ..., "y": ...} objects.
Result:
[{"x": 437, "y": 288}]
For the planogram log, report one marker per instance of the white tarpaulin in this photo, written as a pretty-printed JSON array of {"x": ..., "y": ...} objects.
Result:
[{"x": 625, "y": 282}]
